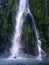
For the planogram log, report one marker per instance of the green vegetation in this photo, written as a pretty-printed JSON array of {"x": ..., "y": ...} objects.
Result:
[
  {"x": 7, "y": 14},
  {"x": 7, "y": 21},
  {"x": 41, "y": 16}
]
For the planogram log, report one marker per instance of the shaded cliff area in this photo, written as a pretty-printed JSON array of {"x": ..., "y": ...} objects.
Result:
[{"x": 40, "y": 11}]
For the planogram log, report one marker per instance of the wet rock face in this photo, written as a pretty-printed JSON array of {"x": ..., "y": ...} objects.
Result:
[
  {"x": 6, "y": 26},
  {"x": 47, "y": 33},
  {"x": 7, "y": 20},
  {"x": 40, "y": 10}
]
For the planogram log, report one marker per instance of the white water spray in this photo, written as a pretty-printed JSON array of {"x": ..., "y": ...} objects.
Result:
[
  {"x": 16, "y": 41},
  {"x": 38, "y": 41}
]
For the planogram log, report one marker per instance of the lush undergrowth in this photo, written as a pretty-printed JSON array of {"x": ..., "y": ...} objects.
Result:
[
  {"x": 40, "y": 12},
  {"x": 40, "y": 9}
]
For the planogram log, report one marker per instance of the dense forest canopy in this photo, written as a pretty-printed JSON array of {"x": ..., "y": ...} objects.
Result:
[{"x": 40, "y": 11}]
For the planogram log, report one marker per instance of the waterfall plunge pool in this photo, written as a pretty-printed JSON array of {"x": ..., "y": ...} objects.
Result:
[{"x": 23, "y": 61}]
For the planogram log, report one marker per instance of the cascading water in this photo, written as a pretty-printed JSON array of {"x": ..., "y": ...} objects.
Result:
[
  {"x": 16, "y": 41},
  {"x": 38, "y": 41}
]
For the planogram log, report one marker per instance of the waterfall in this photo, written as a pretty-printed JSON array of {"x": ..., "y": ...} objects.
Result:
[
  {"x": 23, "y": 9},
  {"x": 16, "y": 41},
  {"x": 38, "y": 41}
]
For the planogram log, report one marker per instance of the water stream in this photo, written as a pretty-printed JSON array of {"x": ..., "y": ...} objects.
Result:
[
  {"x": 16, "y": 41},
  {"x": 38, "y": 41}
]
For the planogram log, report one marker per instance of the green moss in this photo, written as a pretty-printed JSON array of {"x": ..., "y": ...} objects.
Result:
[
  {"x": 38, "y": 10},
  {"x": 7, "y": 20}
]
